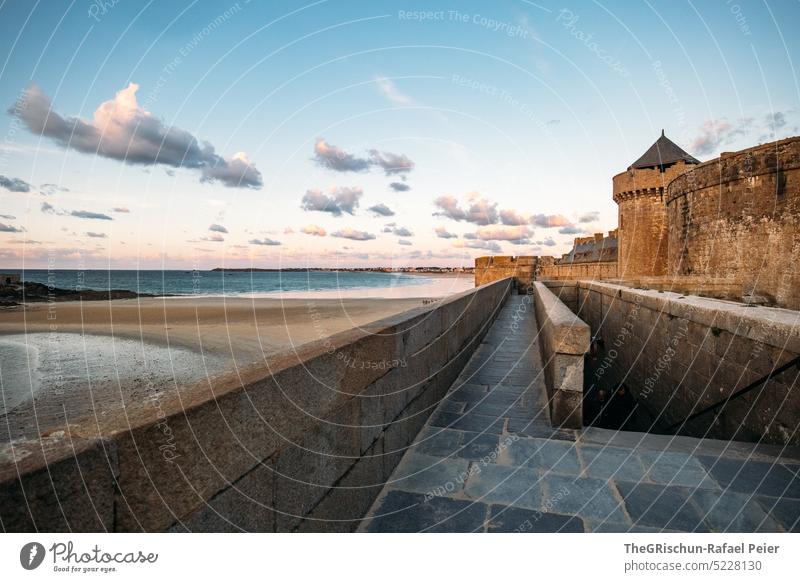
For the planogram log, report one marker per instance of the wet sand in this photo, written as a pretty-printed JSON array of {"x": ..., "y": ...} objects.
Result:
[{"x": 78, "y": 360}]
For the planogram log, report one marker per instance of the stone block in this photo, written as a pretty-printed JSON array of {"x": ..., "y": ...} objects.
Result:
[
  {"x": 567, "y": 372},
  {"x": 345, "y": 504},
  {"x": 566, "y": 409},
  {"x": 306, "y": 469},
  {"x": 246, "y": 505},
  {"x": 58, "y": 484},
  {"x": 170, "y": 467}
]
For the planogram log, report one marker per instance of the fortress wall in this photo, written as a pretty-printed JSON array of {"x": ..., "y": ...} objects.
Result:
[
  {"x": 738, "y": 217},
  {"x": 679, "y": 354},
  {"x": 488, "y": 269},
  {"x": 644, "y": 180},
  {"x": 642, "y": 236},
  {"x": 525, "y": 269},
  {"x": 305, "y": 444},
  {"x": 593, "y": 270}
]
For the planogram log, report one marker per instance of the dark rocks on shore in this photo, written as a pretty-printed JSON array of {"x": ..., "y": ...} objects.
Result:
[{"x": 28, "y": 292}]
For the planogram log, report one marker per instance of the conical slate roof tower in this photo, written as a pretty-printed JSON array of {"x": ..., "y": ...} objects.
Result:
[{"x": 639, "y": 193}]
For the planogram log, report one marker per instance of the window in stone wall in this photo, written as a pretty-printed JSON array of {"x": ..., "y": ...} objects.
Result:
[{"x": 780, "y": 184}]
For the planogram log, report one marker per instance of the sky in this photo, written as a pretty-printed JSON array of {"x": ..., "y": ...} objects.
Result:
[{"x": 184, "y": 135}]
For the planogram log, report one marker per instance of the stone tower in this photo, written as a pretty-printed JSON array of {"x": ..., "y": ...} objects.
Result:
[{"x": 639, "y": 192}]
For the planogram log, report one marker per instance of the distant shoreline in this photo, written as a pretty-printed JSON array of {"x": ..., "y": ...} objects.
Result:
[
  {"x": 404, "y": 271},
  {"x": 409, "y": 271},
  {"x": 416, "y": 284}
]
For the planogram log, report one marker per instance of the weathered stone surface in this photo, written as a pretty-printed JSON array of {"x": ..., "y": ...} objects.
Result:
[
  {"x": 564, "y": 332},
  {"x": 585, "y": 498},
  {"x": 614, "y": 463},
  {"x": 505, "y": 519},
  {"x": 662, "y": 507},
  {"x": 67, "y": 485},
  {"x": 753, "y": 477},
  {"x": 401, "y": 511},
  {"x": 737, "y": 217},
  {"x": 344, "y": 504},
  {"x": 680, "y": 354},
  {"x": 564, "y": 341},
  {"x": 730, "y": 512},
  {"x": 245, "y": 506},
  {"x": 537, "y": 477},
  {"x": 516, "y": 486}
]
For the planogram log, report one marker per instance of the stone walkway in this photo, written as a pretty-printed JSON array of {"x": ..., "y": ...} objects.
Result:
[{"x": 488, "y": 461}]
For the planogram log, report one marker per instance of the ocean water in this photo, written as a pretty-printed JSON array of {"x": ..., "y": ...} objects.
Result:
[{"x": 230, "y": 283}]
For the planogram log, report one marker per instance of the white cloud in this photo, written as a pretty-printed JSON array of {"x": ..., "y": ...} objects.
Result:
[
  {"x": 341, "y": 199},
  {"x": 478, "y": 244},
  {"x": 397, "y": 230},
  {"x": 353, "y": 234},
  {"x": 513, "y": 218},
  {"x": 391, "y": 163},
  {"x": 264, "y": 242},
  {"x": 88, "y": 214},
  {"x": 10, "y": 228},
  {"x": 14, "y": 184},
  {"x": 479, "y": 210},
  {"x": 339, "y": 160},
  {"x": 571, "y": 229},
  {"x": 514, "y": 234},
  {"x": 313, "y": 230},
  {"x": 391, "y": 92},
  {"x": 399, "y": 186},
  {"x": 122, "y": 130},
  {"x": 441, "y": 232},
  {"x": 550, "y": 220},
  {"x": 381, "y": 210}
]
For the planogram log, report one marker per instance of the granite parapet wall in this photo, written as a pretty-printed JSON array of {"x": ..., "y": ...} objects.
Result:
[
  {"x": 680, "y": 354},
  {"x": 564, "y": 342},
  {"x": 304, "y": 442}
]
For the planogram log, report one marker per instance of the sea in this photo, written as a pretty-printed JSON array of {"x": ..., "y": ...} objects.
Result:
[{"x": 255, "y": 283}]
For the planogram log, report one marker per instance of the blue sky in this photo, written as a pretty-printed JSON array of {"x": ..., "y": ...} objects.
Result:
[{"x": 508, "y": 120}]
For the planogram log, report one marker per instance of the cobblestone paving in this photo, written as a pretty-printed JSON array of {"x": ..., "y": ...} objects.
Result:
[{"x": 489, "y": 461}]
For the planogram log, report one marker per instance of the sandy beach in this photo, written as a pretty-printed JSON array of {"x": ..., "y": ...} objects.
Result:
[
  {"x": 79, "y": 359},
  {"x": 76, "y": 360}
]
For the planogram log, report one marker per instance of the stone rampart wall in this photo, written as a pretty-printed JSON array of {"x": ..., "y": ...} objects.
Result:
[
  {"x": 488, "y": 269},
  {"x": 304, "y": 442},
  {"x": 679, "y": 354},
  {"x": 598, "y": 270}
]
